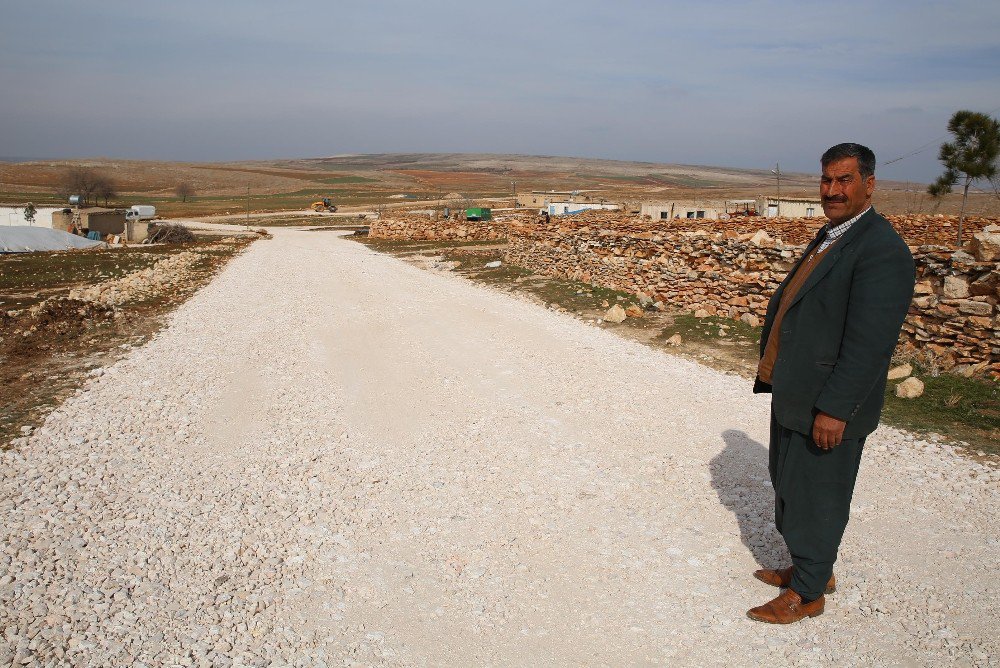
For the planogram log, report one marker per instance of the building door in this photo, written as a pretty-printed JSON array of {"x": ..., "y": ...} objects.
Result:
[{"x": 772, "y": 210}]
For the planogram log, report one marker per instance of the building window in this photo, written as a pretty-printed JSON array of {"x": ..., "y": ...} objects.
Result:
[
  {"x": 700, "y": 214},
  {"x": 664, "y": 215},
  {"x": 690, "y": 214},
  {"x": 810, "y": 211}
]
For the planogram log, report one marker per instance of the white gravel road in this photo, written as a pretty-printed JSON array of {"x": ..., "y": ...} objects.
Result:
[{"x": 333, "y": 457}]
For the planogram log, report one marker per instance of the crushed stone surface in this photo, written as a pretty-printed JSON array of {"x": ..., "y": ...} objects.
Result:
[{"x": 331, "y": 457}]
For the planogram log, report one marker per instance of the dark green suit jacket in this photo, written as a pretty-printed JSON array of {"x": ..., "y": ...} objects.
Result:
[{"x": 838, "y": 335}]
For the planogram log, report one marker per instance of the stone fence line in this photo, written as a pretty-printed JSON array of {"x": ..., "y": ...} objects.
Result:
[{"x": 731, "y": 268}]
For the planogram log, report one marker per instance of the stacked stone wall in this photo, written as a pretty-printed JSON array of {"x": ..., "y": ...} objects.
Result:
[
  {"x": 953, "y": 316},
  {"x": 731, "y": 268},
  {"x": 414, "y": 228}
]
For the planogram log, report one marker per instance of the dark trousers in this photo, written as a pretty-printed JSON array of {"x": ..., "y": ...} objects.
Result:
[{"x": 812, "y": 502}]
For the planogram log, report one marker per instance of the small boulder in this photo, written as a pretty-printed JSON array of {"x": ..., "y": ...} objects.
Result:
[
  {"x": 615, "y": 314},
  {"x": 494, "y": 264},
  {"x": 911, "y": 388},
  {"x": 634, "y": 311},
  {"x": 750, "y": 319},
  {"x": 675, "y": 340},
  {"x": 901, "y": 371},
  {"x": 701, "y": 313}
]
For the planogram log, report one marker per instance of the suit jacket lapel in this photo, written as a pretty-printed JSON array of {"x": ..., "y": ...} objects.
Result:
[
  {"x": 809, "y": 249},
  {"x": 830, "y": 259}
]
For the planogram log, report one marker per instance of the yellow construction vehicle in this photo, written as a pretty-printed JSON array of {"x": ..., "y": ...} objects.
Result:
[{"x": 324, "y": 205}]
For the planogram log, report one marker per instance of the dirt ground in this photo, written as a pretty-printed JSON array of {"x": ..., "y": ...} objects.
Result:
[{"x": 49, "y": 342}]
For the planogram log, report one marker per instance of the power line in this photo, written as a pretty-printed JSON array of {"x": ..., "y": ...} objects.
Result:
[{"x": 928, "y": 144}]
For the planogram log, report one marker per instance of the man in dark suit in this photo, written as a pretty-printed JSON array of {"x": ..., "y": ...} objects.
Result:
[{"x": 828, "y": 337}]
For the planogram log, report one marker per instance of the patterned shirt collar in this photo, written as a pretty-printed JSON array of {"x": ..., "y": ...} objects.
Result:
[{"x": 834, "y": 233}]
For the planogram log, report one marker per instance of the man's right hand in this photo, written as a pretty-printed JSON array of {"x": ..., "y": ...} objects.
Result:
[{"x": 828, "y": 431}]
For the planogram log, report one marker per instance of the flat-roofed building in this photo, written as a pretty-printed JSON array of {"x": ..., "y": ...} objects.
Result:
[
  {"x": 790, "y": 207},
  {"x": 680, "y": 209},
  {"x": 540, "y": 199}
]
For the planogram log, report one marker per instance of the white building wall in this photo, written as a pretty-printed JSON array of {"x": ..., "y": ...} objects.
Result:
[
  {"x": 791, "y": 208},
  {"x": 674, "y": 210},
  {"x": 565, "y": 208},
  {"x": 14, "y": 215}
]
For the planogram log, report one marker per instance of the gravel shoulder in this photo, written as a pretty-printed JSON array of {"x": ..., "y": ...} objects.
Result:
[{"x": 330, "y": 456}]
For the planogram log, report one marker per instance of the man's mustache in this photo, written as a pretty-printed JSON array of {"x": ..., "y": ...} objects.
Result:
[{"x": 837, "y": 198}]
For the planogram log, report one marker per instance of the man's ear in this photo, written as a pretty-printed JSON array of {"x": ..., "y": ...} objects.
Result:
[{"x": 870, "y": 185}]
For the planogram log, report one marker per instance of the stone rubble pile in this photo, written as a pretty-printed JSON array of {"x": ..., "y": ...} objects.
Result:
[
  {"x": 168, "y": 272},
  {"x": 730, "y": 268}
]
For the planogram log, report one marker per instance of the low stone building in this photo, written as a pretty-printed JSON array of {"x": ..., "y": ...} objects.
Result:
[
  {"x": 95, "y": 218},
  {"x": 102, "y": 220},
  {"x": 541, "y": 199}
]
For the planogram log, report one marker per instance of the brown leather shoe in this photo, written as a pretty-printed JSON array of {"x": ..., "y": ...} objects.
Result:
[
  {"x": 786, "y": 609},
  {"x": 783, "y": 577}
]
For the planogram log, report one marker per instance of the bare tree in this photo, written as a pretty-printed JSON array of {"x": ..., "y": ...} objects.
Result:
[
  {"x": 184, "y": 190},
  {"x": 90, "y": 184},
  {"x": 78, "y": 181},
  {"x": 105, "y": 189}
]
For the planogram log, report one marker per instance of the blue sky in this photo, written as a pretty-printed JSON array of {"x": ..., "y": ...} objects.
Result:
[{"x": 739, "y": 84}]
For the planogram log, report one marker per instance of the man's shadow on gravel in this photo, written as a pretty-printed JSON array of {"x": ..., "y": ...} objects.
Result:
[{"x": 740, "y": 478}]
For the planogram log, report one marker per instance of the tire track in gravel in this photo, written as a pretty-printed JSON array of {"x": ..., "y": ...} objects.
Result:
[{"x": 330, "y": 456}]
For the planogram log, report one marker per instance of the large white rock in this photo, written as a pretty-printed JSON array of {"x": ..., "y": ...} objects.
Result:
[
  {"x": 986, "y": 244},
  {"x": 911, "y": 388},
  {"x": 615, "y": 314}
]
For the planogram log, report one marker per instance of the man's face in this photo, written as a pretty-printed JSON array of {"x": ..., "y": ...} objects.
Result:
[{"x": 844, "y": 192}]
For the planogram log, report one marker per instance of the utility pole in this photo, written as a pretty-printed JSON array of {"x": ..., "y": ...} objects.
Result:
[
  {"x": 777, "y": 174},
  {"x": 248, "y": 207},
  {"x": 513, "y": 185}
]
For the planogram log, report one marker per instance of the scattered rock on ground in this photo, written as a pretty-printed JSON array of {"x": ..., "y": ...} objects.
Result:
[
  {"x": 634, "y": 311},
  {"x": 911, "y": 388},
  {"x": 615, "y": 314}
]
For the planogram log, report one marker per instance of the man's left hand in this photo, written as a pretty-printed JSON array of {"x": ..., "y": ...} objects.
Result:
[{"x": 828, "y": 431}]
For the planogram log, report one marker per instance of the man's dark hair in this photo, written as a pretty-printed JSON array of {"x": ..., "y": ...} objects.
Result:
[{"x": 865, "y": 156}]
